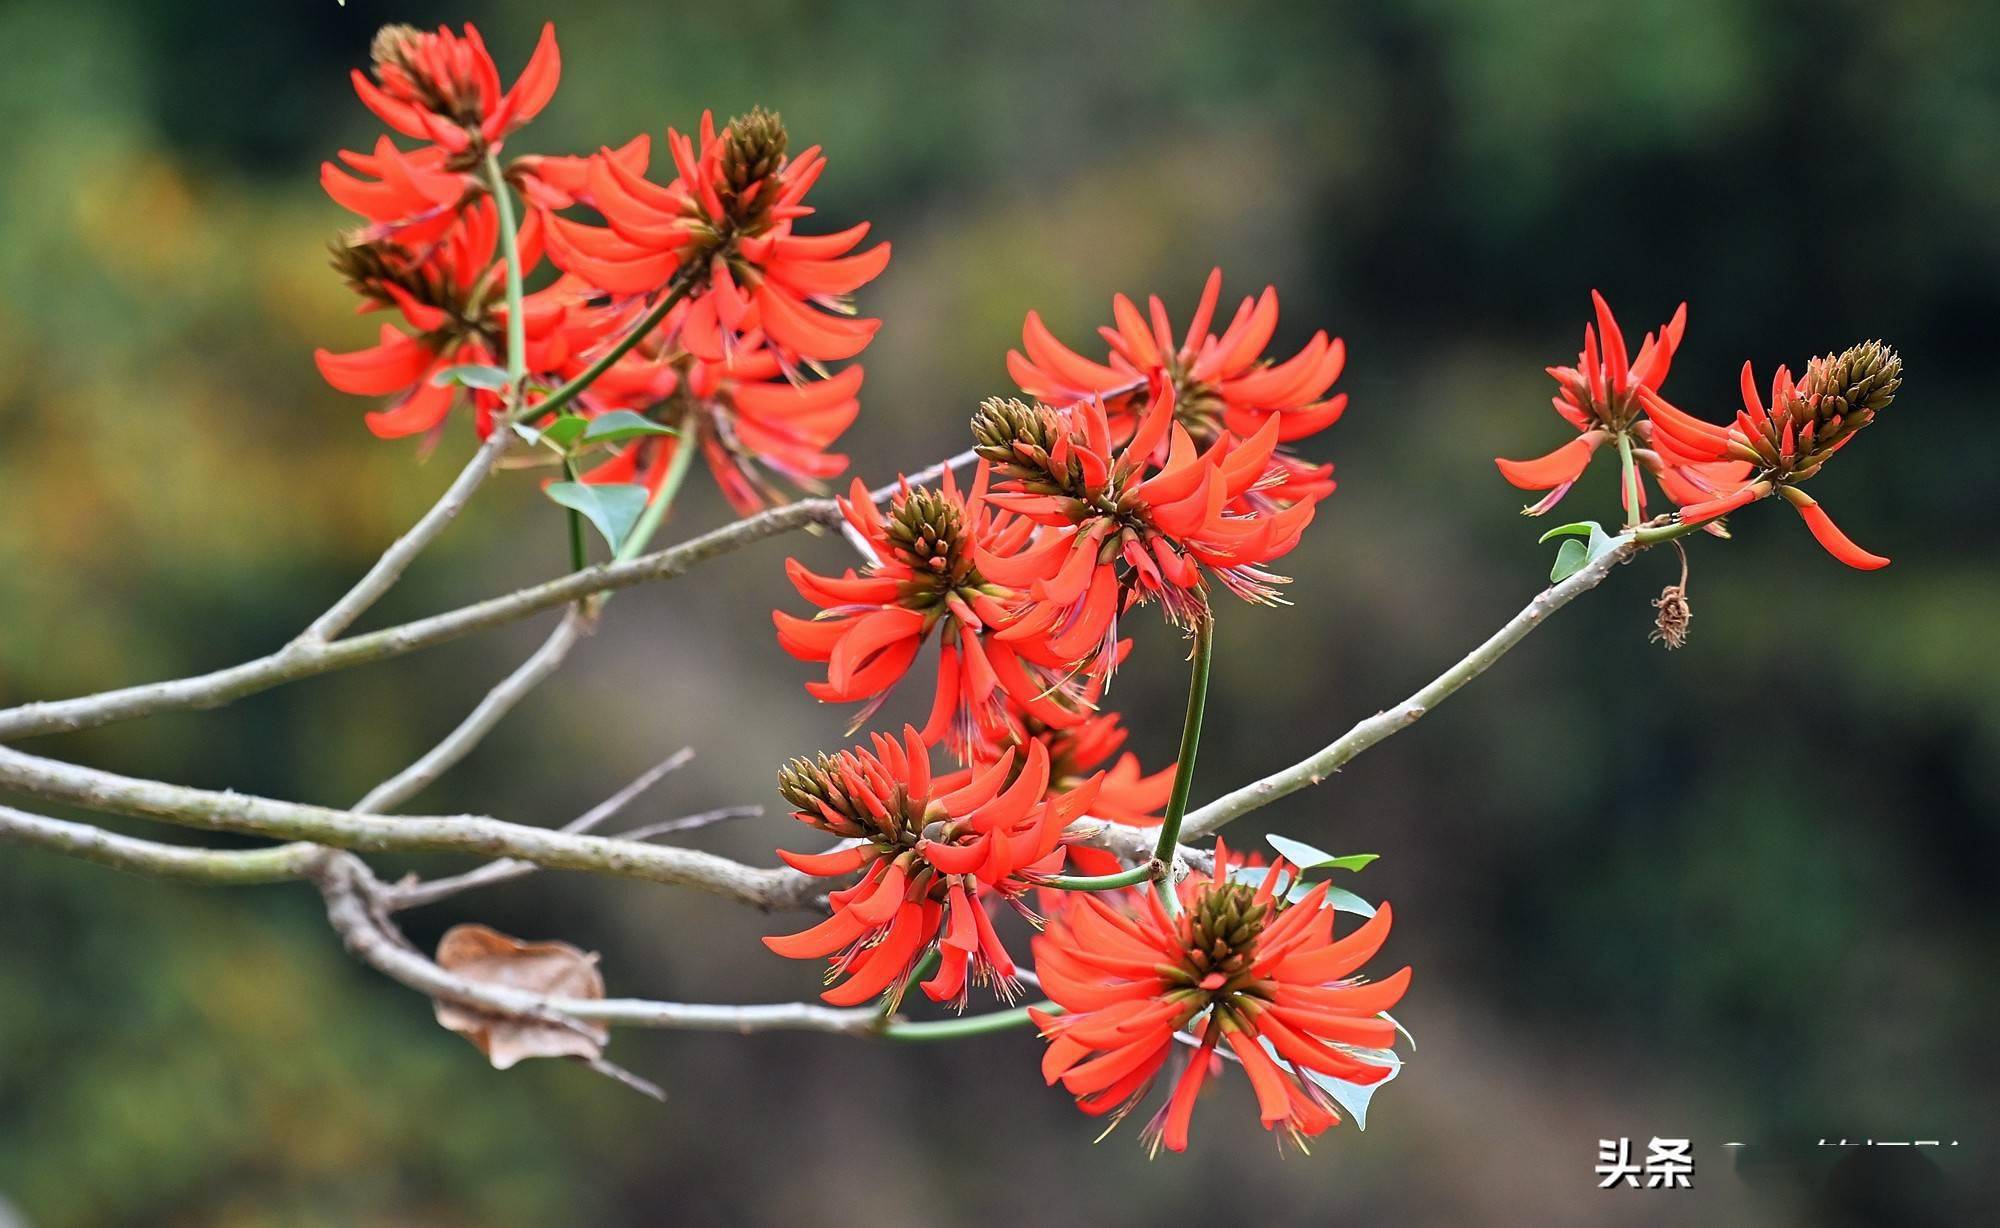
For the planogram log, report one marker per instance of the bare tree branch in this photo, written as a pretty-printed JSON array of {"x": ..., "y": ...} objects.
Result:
[
  {"x": 1317, "y": 767},
  {"x": 216, "y": 867},
  {"x": 348, "y": 887},
  {"x": 691, "y": 822},
  {"x": 491, "y": 710},
  {"x": 304, "y": 658},
  {"x": 396, "y": 559},
  {"x": 419, "y": 893},
  {"x": 245, "y": 814}
]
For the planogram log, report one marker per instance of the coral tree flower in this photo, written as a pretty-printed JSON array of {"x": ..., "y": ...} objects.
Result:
[
  {"x": 1601, "y": 396},
  {"x": 931, "y": 548},
  {"x": 1222, "y": 384},
  {"x": 750, "y": 421},
  {"x": 1789, "y": 440},
  {"x": 926, "y": 855},
  {"x": 449, "y": 300},
  {"x": 441, "y": 88},
  {"x": 727, "y": 221},
  {"x": 1237, "y": 967},
  {"x": 1118, "y": 534}
]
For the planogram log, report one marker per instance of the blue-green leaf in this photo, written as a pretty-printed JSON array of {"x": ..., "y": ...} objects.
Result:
[
  {"x": 622, "y": 424},
  {"x": 613, "y": 508},
  {"x": 1570, "y": 559},
  {"x": 1306, "y": 857},
  {"x": 1346, "y": 901},
  {"x": 1579, "y": 528},
  {"x": 472, "y": 375}
]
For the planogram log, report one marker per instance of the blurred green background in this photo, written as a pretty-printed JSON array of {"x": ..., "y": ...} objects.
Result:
[{"x": 1738, "y": 893}]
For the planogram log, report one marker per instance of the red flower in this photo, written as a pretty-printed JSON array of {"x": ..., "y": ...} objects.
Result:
[
  {"x": 1120, "y": 536},
  {"x": 926, "y": 854},
  {"x": 1602, "y": 398},
  {"x": 1238, "y": 967},
  {"x": 1221, "y": 384},
  {"x": 1791, "y": 439},
  {"x": 931, "y": 552},
  {"x": 1127, "y": 794},
  {"x": 448, "y": 296},
  {"x": 445, "y": 88},
  {"x": 727, "y": 219},
  {"x": 743, "y": 414}
]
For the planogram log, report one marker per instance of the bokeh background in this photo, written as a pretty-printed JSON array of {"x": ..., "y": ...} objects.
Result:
[{"x": 1739, "y": 893}]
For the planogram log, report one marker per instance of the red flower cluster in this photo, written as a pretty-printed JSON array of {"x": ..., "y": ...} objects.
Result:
[
  {"x": 1603, "y": 397},
  {"x": 749, "y": 419},
  {"x": 727, "y": 220},
  {"x": 1236, "y": 965},
  {"x": 1022, "y": 584},
  {"x": 1118, "y": 531},
  {"x": 1222, "y": 384},
  {"x": 727, "y": 362},
  {"x": 927, "y": 856},
  {"x": 927, "y": 580},
  {"x": 1789, "y": 440}
]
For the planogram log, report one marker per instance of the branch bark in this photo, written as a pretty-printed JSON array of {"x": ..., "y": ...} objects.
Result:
[
  {"x": 403, "y": 551},
  {"x": 348, "y": 888},
  {"x": 214, "y": 867},
  {"x": 244, "y": 814},
  {"x": 491, "y": 710},
  {"x": 1317, "y": 767}
]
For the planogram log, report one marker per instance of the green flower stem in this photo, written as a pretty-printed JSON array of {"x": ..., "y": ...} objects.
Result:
[
  {"x": 656, "y": 511},
  {"x": 1146, "y": 872},
  {"x": 510, "y": 250},
  {"x": 677, "y": 290},
  {"x": 1628, "y": 476},
  {"x": 579, "y": 544},
  {"x": 970, "y": 1025},
  {"x": 1170, "y": 830},
  {"x": 1653, "y": 535}
]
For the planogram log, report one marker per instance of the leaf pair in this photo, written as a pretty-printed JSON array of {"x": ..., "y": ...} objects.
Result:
[{"x": 1574, "y": 555}]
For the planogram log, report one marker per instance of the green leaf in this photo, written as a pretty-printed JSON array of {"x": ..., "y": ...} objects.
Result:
[
  {"x": 621, "y": 424},
  {"x": 1306, "y": 857},
  {"x": 472, "y": 375},
  {"x": 559, "y": 434},
  {"x": 1580, "y": 528},
  {"x": 1347, "y": 901},
  {"x": 1569, "y": 560},
  {"x": 613, "y": 508}
]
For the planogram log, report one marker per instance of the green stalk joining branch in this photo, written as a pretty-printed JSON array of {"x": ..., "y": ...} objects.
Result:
[
  {"x": 1628, "y": 478},
  {"x": 1197, "y": 702}
]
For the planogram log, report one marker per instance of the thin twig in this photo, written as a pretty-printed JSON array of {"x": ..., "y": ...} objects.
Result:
[
  {"x": 214, "y": 867},
  {"x": 418, "y": 894},
  {"x": 349, "y": 912},
  {"x": 305, "y": 657},
  {"x": 691, "y": 822},
  {"x": 769, "y": 888},
  {"x": 499, "y": 701},
  {"x": 397, "y": 558},
  {"x": 1317, "y": 767}
]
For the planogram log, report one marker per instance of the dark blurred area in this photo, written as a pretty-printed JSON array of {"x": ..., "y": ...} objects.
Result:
[{"x": 1732, "y": 894}]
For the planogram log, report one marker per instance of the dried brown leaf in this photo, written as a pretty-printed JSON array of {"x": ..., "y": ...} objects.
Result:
[{"x": 555, "y": 969}]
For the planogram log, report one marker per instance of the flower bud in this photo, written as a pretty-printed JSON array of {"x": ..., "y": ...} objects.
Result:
[
  {"x": 1857, "y": 383},
  {"x": 1018, "y": 439},
  {"x": 929, "y": 530}
]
